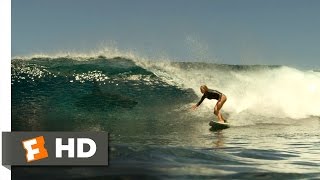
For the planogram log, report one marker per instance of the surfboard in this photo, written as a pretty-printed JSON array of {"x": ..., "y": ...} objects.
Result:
[{"x": 218, "y": 126}]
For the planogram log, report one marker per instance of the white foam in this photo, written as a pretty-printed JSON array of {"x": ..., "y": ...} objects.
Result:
[{"x": 273, "y": 92}]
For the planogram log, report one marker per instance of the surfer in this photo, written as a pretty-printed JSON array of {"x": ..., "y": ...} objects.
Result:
[{"x": 213, "y": 94}]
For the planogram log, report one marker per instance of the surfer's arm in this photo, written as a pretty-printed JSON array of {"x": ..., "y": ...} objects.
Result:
[{"x": 202, "y": 98}]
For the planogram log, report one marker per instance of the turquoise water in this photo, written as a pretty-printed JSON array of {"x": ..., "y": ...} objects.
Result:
[{"x": 145, "y": 106}]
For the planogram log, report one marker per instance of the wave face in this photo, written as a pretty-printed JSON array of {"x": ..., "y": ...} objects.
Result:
[{"x": 99, "y": 89}]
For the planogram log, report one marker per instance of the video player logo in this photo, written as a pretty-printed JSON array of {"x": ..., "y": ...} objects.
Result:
[
  {"x": 41, "y": 148},
  {"x": 35, "y": 149}
]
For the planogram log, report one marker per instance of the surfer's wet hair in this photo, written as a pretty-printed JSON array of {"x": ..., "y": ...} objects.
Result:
[{"x": 204, "y": 88}]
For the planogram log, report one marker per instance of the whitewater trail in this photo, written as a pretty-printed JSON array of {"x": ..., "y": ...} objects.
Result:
[{"x": 269, "y": 91}]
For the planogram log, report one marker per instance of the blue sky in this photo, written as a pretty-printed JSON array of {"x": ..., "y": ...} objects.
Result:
[{"x": 285, "y": 32}]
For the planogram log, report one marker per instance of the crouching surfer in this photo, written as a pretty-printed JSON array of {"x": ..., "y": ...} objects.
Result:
[{"x": 213, "y": 94}]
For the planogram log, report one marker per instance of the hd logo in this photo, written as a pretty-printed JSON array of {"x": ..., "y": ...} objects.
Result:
[
  {"x": 55, "y": 148},
  {"x": 36, "y": 150}
]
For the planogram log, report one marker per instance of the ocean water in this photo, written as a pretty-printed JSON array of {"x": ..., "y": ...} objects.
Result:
[{"x": 274, "y": 112}]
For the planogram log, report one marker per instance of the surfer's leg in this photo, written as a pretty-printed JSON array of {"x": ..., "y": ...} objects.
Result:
[
  {"x": 215, "y": 110},
  {"x": 218, "y": 113},
  {"x": 219, "y": 106},
  {"x": 221, "y": 117}
]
